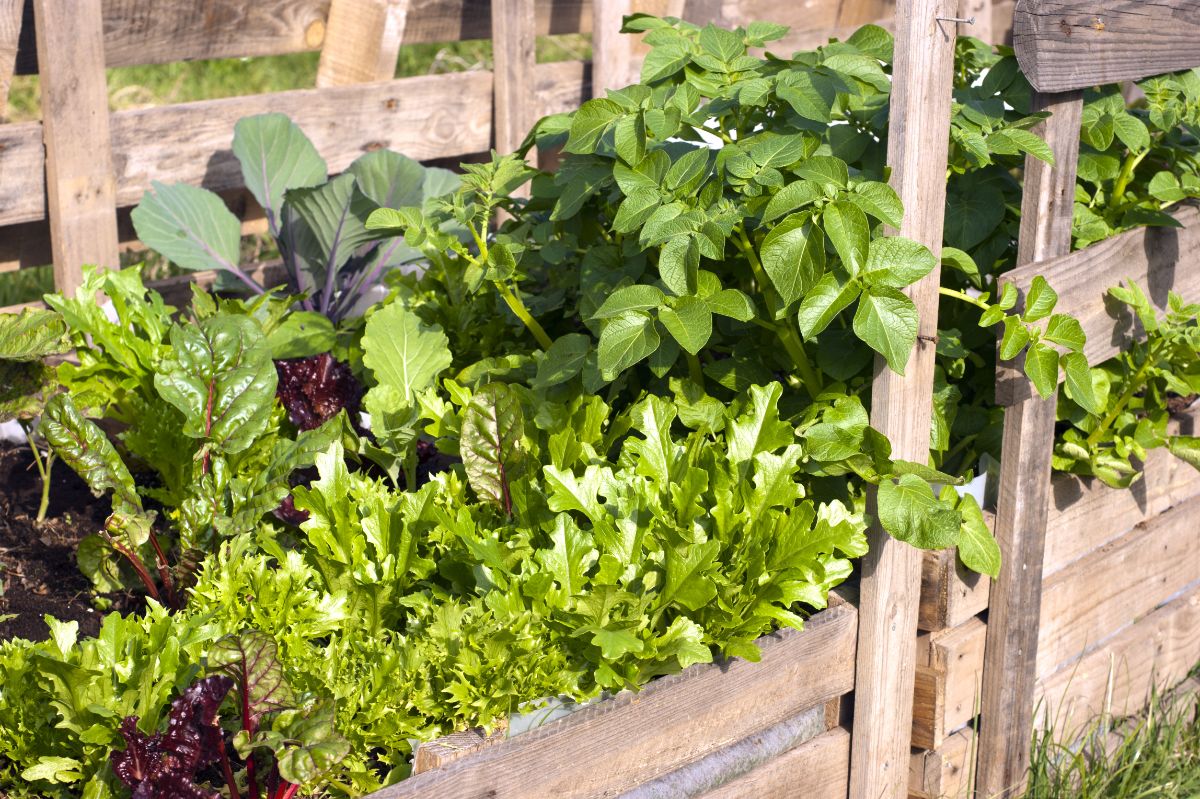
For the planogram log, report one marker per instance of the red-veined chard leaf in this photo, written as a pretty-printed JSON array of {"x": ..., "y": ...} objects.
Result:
[{"x": 492, "y": 427}]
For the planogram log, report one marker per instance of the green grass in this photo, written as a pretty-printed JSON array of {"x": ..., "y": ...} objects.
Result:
[{"x": 1155, "y": 755}]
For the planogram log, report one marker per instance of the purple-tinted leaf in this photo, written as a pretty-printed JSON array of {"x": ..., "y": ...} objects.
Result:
[
  {"x": 250, "y": 659},
  {"x": 164, "y": 765},
  {"x": 312, "y": 390}
]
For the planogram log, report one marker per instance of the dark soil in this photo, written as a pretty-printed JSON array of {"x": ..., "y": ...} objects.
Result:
[{"x": 38, "y": 573}]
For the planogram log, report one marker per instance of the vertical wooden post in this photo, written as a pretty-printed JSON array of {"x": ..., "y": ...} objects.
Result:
[
  {"x": 612, "y": 51},
  {"x": 1014, "y": 608},
  {"x": 901, "y": 406},
  {"x": 514, "y": 57},
  {"x": 982, "y": 12},
  {"x": 362, "y": 41},
  {"x": 80, "y": 184},
  {"x": 10, "y": 35}
]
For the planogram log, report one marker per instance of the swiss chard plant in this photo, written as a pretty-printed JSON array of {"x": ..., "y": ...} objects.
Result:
[
  {"x": 333, "y": 263},
  {"x": 193, "y": 400}
]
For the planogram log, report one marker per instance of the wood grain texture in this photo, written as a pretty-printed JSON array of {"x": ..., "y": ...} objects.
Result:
[
  {"x": 1159, "y": 649},
  {"x": 436, "y": 116},
  {"x": 950, "y": 671},
  {"x": 1010, "y": 657},
  {"x": 362, "y": 41},
  {"x": 10, "y": 36},
  {"x": 945, "y": 772},
  {"x": 817, "y": 769},
  {"x": 80, "y": 189},
  {"x": 1064, "y": 45},
  {"x": 612, "y": 51},
  {"x": 1100, "y": 593},
  {"x": 431, "y": 755},
  {"x": 1160, "y": 260},
  {"x": 1086, "y": 514},
  {"x": 514, "y": 41},
  {"x": 951, "y": 594},
  {"x": 713, "y": 772},
  {"x": 673, "y": 721},
  {"x": 901, "y": 405}
]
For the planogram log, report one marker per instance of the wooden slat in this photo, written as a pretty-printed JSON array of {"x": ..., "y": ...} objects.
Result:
[
  {"x": 815, "y": 770},
  {"x": 1109, "y": 588},
  {"x": 950, "y": 593},
  {"x": 1002, "y": 21},
  {"x": 162, "y": 31},
  {"x": 1086, "y": 514},
  {"x": 944, "y": 773},
  {"x": 437, "y": 754},
  {"x": 612, "y": 51},
  {"x": 80, "y": 190},
  {"x": 1012, "y": 633},
  {"x": 10, "y": 35},
  {"x": 901, "y": 405},
  {"x": 949, "y": 674},
  {"x": 1064, "y": 45},
  {"x": 362, "y": 41},
  {"x": 514, "y": 39},
  {"x": 671, "y": 722},
  {"x": 1160, "y": 260},
  {"x": 1158, "y": 650},
  {"x": 436, "y": 116}
]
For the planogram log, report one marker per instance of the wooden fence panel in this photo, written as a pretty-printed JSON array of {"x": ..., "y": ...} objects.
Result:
[
  {"x": 624, "y": 742},
  {"x": 1010, "y": 655},
  {"x": 80, "y": 190},
  {"x": 1063, "y": 45},
  {"x": 901, "y": 405},
  {"x": 818, "y": 769}
]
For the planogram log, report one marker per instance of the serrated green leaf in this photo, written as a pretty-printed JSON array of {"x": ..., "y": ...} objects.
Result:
[
  {"x": 689, "y": 322},
  {"x": 832, "y": 295},
  {"x": 1040, "y": 301},
  {"x": 1041, "y": 366},
  {"x": 886, "y": 321},
  {"x": 848, "y": 230},
  {"x": 793, "y": 256},
  {"x": 977, "y": 546},
  {"x": 402, "y": 352},
  {"x": 624, "y": 341},
  {"x": 909, "y": 512}
]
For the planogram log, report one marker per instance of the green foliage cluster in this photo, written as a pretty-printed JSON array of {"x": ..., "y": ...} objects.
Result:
[
  {"x": 1135, "y": 393},
  {"x": 646, "y": 379}
]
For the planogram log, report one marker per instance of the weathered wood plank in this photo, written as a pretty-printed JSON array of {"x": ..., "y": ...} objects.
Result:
[
  {"x": 944, "y": 773},
  {"x": 514, "y": 39},
  {"x": 1085, "y": 602},
  {"x": 818, "y": 769},
  {"x": 950, "y": 593},
  {"x": 431, "y": 755},
  {"x": 1086, "y": 514},
  {"x": 1159, "y": 649},
  {"x": 1064, "y": 45},
  {"x": 949, "y": 674},
  {"x": 671, "y": 722},
  {"x": 362, "y": 41},
  {"x": 1012, "y": 633},
  {"x": 901, "y": 405},
  {"x": 436, "y": 116},
  {"x": 80, "y": 189},
  {"x": 10, "y": 35},
  {"x": 1160, "y": 260}
]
